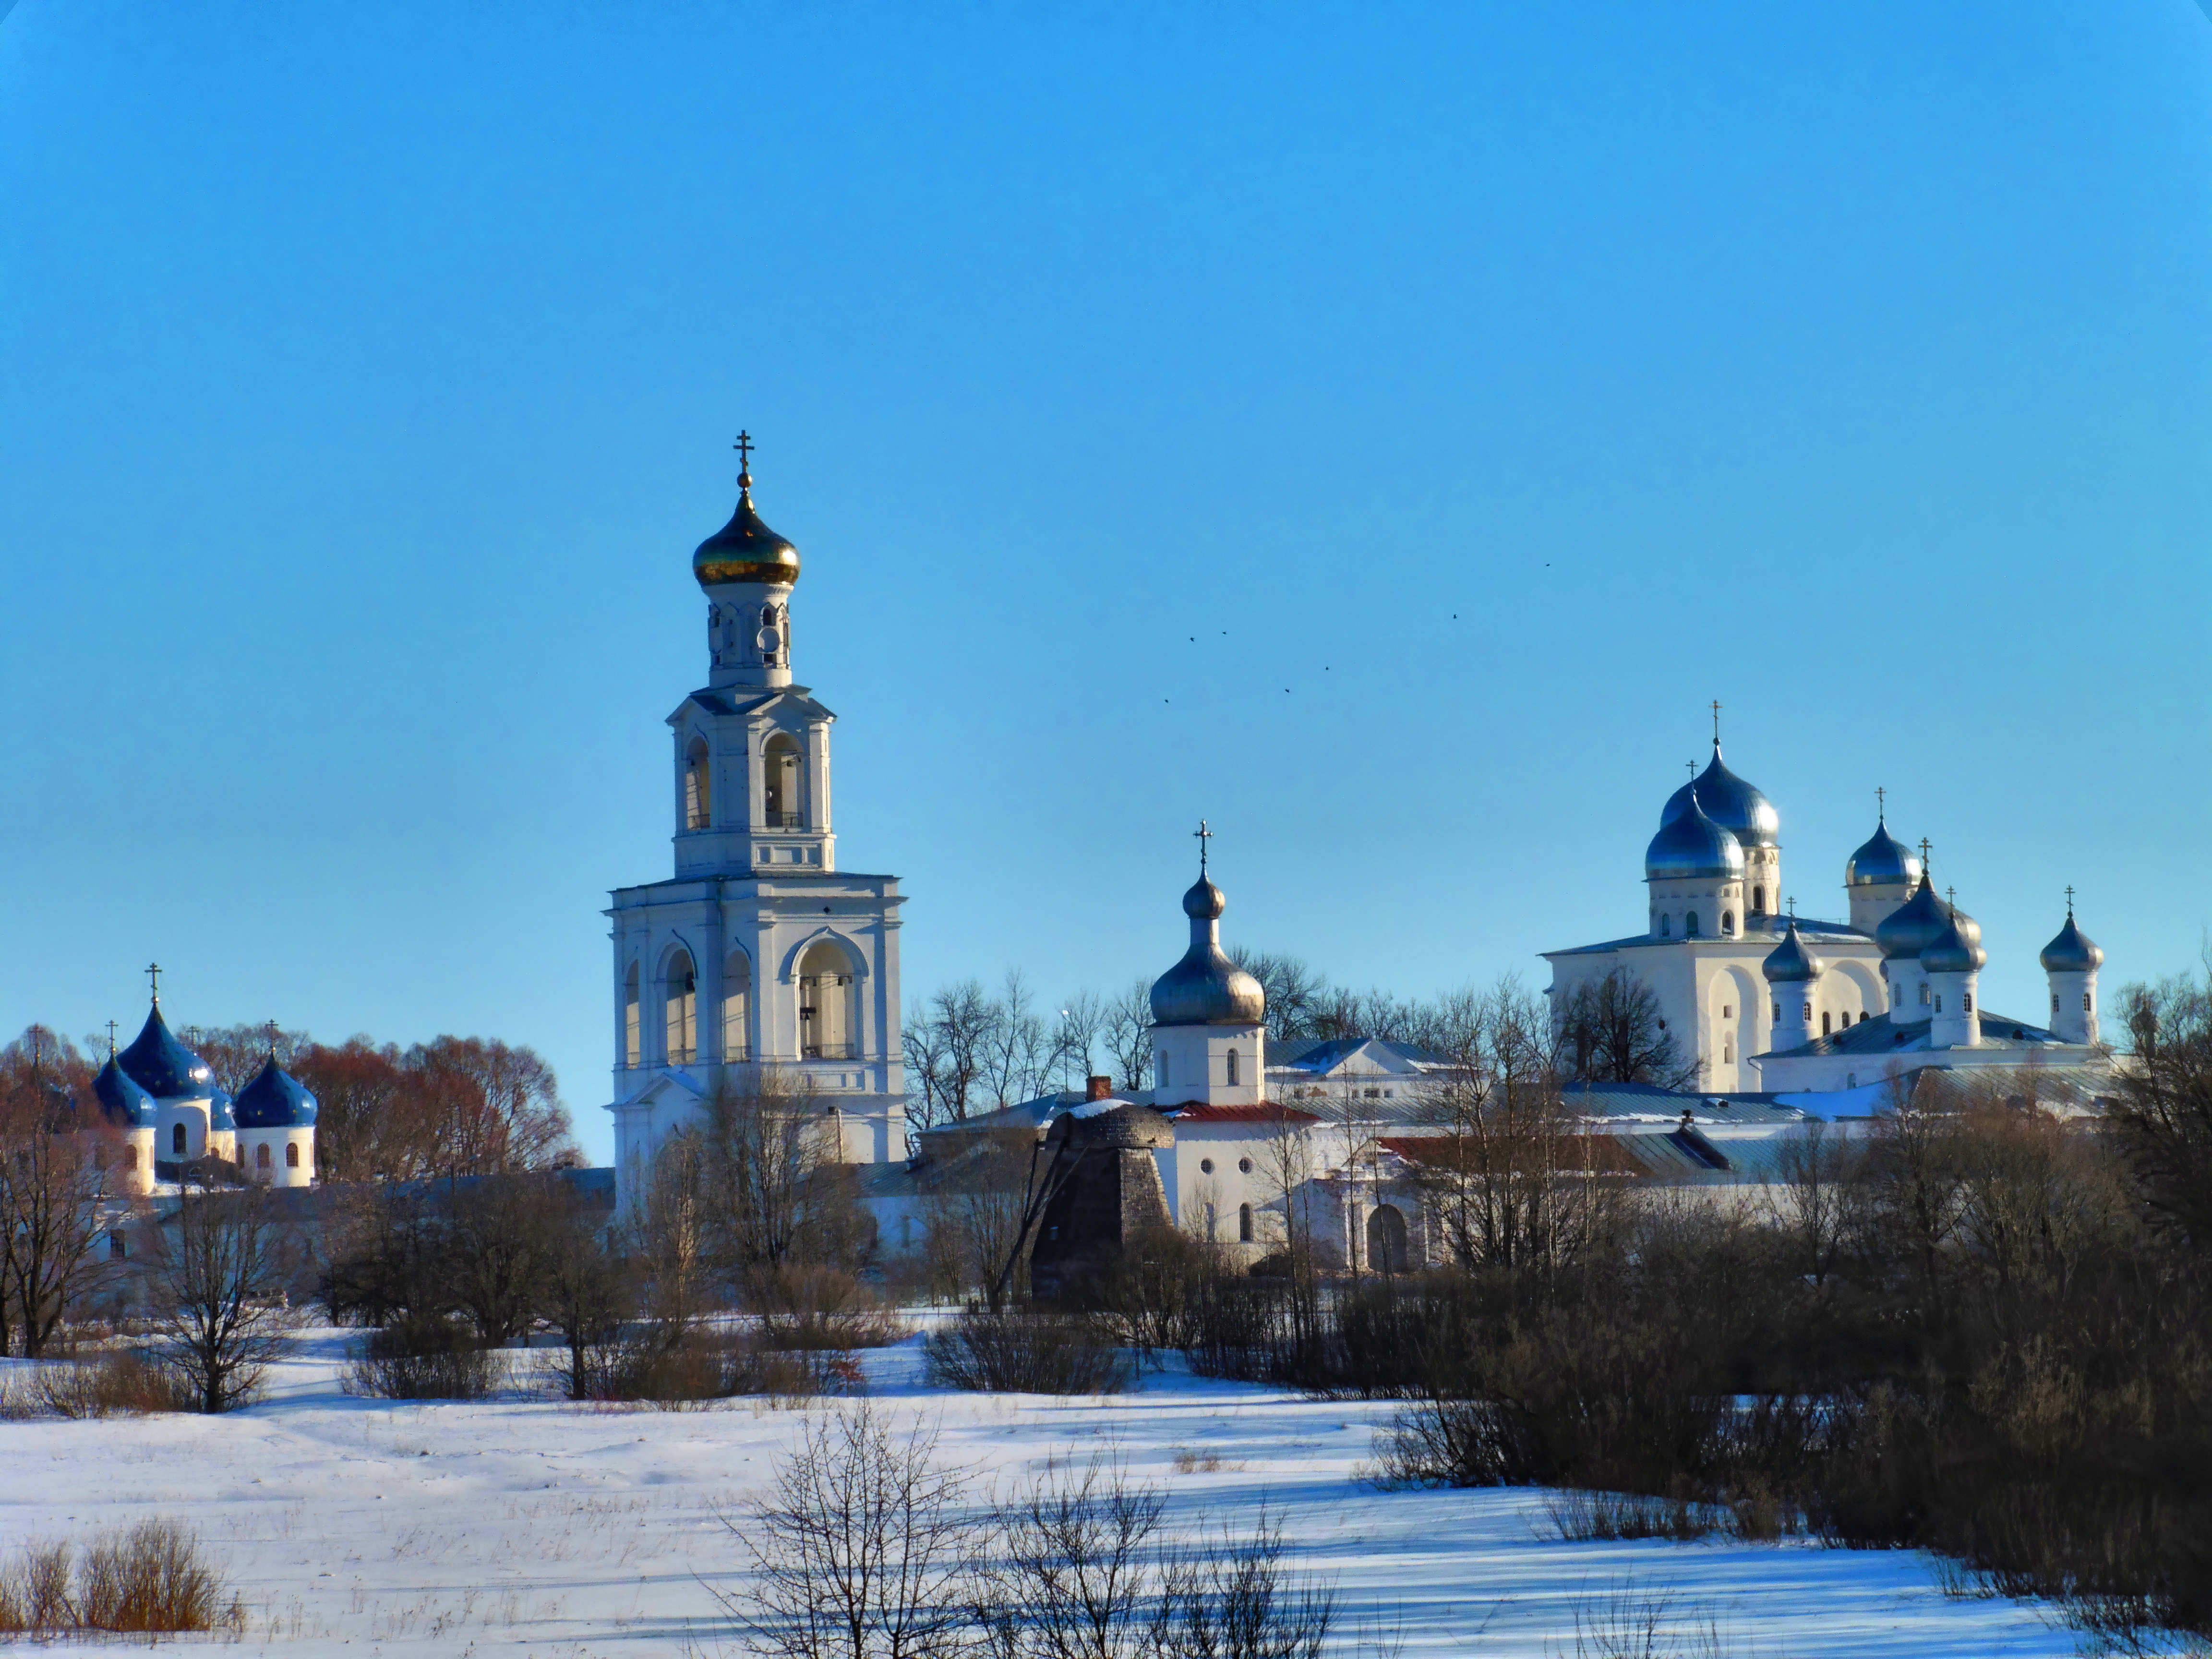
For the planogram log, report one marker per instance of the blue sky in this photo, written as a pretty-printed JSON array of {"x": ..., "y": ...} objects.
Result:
[{"x": 1380, "y": 428}]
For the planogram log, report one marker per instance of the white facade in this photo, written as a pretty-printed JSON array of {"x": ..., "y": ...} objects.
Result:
[{"x": 758, "y": 951}]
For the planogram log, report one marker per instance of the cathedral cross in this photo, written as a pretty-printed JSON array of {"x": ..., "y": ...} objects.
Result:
[
  {"x": 1881, "y": 804},
  {"x": 1793, "y": 907},
  {"x": 744, "y": 448},
  {"x": 1204, "y": 835},
  {"x": 154, "y": 978},
  {"x": 1717, "y": 722},
  {"x": 2070, "y": 902},
  {"x": 271, "y": 1029},
  {"x": 110, "y": 1039},
  {"x": 1923, "y": 855}
]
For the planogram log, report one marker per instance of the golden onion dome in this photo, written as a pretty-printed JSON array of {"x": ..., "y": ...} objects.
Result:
[{"x": 745, "y": 550}]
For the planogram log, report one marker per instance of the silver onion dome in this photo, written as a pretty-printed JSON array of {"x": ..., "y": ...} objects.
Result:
[
  {"x": 1206, "y": 988},
  {"x": 1957, "y": 949},
  {"x": 2073, "y": 952},
  {"x": 1914, "y": 926},
  {"x": 1690, "y": 846},
  {"x": 1882, "y": 861},
  {"x": 1790, "y": 963},
  {"x": 1737, "y": 806}
]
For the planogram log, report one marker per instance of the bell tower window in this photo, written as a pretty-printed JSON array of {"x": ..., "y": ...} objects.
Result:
[
  {"x": 631, "y": 1027},
  {"x": 780, "y": 784},
  {"x": 683, "y": 1010},
  {"x": 828, "y": 1007},
  {"x": 736, "y": 999},
  {"x": 1232, "y": 1067},
  {"x": 1759, "y": 900},
  {"x": 698, "y": 802}
]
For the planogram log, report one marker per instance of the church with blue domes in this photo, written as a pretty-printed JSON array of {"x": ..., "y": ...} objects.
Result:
[
  {"x": 162, "y": 1101},
  {"x": 1760, "y": 999}
]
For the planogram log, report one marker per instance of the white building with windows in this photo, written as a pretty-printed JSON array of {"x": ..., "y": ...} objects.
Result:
[
  {"x": 1763, "y": 1000},
  {"x": 758, "y": 951}
]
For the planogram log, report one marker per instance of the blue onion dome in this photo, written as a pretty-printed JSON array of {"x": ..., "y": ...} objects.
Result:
[
  {"x": 1883, "y": 861},
  {"x": 1790, "y": 964},
  {"x": 1914, "y": 926},
  {"x": 2072, "y": 952},
  {"x": 1957, "y": 949},
  {"x": 275, "y": 1099},
  {"x": 1690, "y": 846},
  {"x": 745, "y": 550},
  {"x": 163, "y": 1066},
  {"x": 1738, "y": 807},
  {"x": 219, "y": 1115},
  {"x": 1206, "y": 988},
  {"x": 122, "y": 1102}
]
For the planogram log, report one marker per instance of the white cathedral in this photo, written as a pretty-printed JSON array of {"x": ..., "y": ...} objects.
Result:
[
  {"x": 1764, "y": 1001},
  {"x": 758, "y": 950}
]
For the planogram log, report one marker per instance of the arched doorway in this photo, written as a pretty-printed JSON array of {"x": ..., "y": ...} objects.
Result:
[{"x": 1386, "y": 1239}]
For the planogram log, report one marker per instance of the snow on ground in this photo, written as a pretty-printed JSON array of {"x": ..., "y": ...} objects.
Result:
[{"x": 540, "y": 1528}]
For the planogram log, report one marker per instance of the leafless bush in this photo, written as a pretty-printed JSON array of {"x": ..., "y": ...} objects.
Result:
[
  {"x": 20, "y": 1397},
  {"x": 155, "y": 1578},
  {"x": 118, "y": 1382},
  {"x": 152, "y": 1579},
  {"x": 430, "y": 1359},
  {"x": 821, "y": 1308},
  {"x": 1583, "y": 1517},
  {"x": 1025, "y": 1352},
  {"x": 862, "y": 1548},
  {"x": 1627, "y": 1622},
  {"x": 642, "y": 1364},
  {"x": 34, "y": 1598}
]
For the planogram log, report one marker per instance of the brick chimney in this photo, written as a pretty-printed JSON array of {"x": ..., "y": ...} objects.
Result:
[{"x": 1098, "y": 1088}]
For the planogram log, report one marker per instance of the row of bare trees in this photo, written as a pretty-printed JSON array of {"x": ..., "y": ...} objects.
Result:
[{"x": 969, "y": 1052}]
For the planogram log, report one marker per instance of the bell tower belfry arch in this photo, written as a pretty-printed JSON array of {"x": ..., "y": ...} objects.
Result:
[{"x": 756, "y": 872}]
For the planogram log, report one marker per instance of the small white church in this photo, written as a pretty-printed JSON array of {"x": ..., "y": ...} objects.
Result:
[
  {"x": 1766, "y": 1001},
  {"x": 757, "y": 949}
]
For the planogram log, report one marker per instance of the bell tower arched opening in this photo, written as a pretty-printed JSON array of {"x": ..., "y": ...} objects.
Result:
[
  {"x": 698, "y": 790},
  {"x": 683, "y": 1010},
  {"x": 828, "y": 1003},
  {"x": 632, "y": 1030},
  {"x": 737, "y": 1007},
  {"x": 780, "y": 808}
]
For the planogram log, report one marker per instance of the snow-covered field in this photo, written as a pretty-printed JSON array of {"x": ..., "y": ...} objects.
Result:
[{"x": 547, "y": 1529}]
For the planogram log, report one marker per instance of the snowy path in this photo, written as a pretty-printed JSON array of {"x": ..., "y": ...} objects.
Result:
[{"x": 544, "y": 1529}]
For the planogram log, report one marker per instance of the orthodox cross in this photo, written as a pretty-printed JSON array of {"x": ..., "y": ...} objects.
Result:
[
  {"x": 1717, "y": 722},
  {"x": 154, "y": 978},
  {"x": 1693, "y": 765},
  {"x": 1924, "y": 854},
  {"x": 1880, "y": 804},
  {"x": 2070, "y": 903},
  {"x": 271, "y": 1029},
  {"x": 1204, "y": 835},
  {"x": 110, "y": 1039},
  {"x": 1793, "y": 907},
  {"x": 744, "y": 448},
  {"x": 1951, "y": 896}
]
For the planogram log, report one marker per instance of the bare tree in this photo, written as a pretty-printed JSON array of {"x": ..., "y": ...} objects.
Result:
[
  {"x": 1513, "y": 1180},
  {"x": 2163, "y": 1115},
  {"x": 497, "y": 1107},
  {"x": 944, "y": 1041},
  {"x": 863, "y": 1547},
  {"x": 1612, "y": 1030},
  {"x": 1126, "y": 1033},
  {"x": 1808, "y": 1203},
  {"x": 54, "y": 1155},
  {"x": 588, "y": 1293},
  {"x": 1082, "y": 1021},
  {"x": 1293, "y": 990},
  {"x": 985, "y": 1205},
  {"x": 220, "y": 1314},
  {"x": 370, "y": 1123},
  {"x": 1019, "y": 1050},
  {"x": 769, "y": 1169}
]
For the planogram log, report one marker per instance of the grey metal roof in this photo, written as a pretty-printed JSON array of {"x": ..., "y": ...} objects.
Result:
[
  {"x": 1884, "y": 1035},
  {"x": 1321, "y": 1055},
  {"x": 1754, "y": 929}
]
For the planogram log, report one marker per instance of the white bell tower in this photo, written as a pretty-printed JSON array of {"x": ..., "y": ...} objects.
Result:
[{"x": 759, "y": 953}]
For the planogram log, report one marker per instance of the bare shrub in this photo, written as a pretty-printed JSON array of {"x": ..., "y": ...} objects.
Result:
[
  {"x": 35, "y": 1584},
  {"x": 863, "y": 1547},
  {"x": 641, "y": 1365},
  {"x": 20, "y": 1399},
  {"x": 154, "y": 1577},
  {"x": 220, "y": 1311},
  {"x": 1583, "y": 1517},
  {"x": 1078, "y": 1572},
  {"x": 1025, "y": 1352},
  {"x": 119, "y": 1381},
  {"x": 1627, "y": 1622},
  {"x": 821, "y": 1308},
  {"x": 425, "y": 1359}
]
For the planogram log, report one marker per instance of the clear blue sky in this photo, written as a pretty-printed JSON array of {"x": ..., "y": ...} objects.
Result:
[{"x": 368, "y": 373}]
